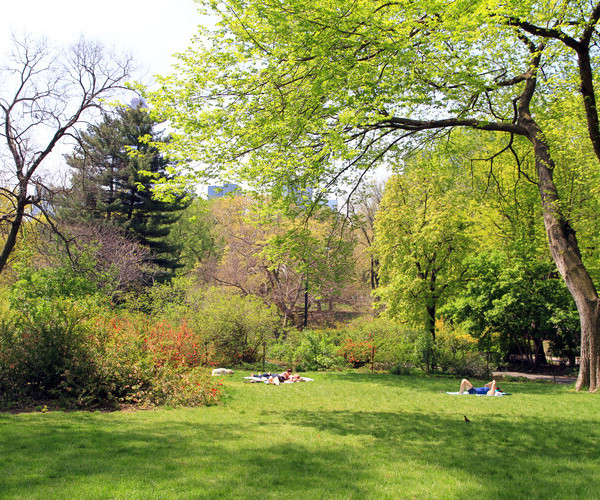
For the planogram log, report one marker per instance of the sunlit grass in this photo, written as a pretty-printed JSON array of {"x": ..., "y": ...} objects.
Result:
[{"x": 344, "y": 435}]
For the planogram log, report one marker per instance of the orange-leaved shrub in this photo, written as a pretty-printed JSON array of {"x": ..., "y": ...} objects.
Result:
[{"x": 82, "y": 353}]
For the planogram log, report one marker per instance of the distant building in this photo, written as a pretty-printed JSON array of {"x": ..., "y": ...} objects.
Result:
[
  {"x": 305, "y": 197},
  {"x": 219, "y": 191},
  {"x": 137, "y": 103}
]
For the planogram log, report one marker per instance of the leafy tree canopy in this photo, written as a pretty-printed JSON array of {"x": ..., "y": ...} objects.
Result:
[{"x": 310, "y": 93}]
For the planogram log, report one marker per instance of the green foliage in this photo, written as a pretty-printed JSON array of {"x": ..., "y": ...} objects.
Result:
[
  {"x": 236, "y": 326},
  {"x": 425, "y": 351},
  {"x": 400, "y": 347},
  {"x": 521, "y": 301},
  {"x": 460, "y": 353},
  {"x": 49, "y": 353},
  {"x": 300, "y": 91},
  {"x": 115, "y": 170},
  {"x": 83, "y": 355},
  {"x": 292, "y": 96},
  {"x": 316, "y": 351},
  {"x": 422, "y": 233},
  {"x": 192, "y": 233},
  {"x": 61, "y": 281},
  {"x": 233, "y": 327},
  {"x": 283, "y": 350},
  {"x": 393, "y": 342}
]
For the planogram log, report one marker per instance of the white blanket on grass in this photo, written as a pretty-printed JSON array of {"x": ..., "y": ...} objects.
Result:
[{"x": 467, "y": 394}]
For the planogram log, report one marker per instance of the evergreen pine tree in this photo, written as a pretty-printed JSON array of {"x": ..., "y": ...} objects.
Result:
[{"x": 114, "y": 169}]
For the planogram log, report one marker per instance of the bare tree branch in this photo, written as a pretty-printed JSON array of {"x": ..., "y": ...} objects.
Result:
[{"x": 44, "y": 97}]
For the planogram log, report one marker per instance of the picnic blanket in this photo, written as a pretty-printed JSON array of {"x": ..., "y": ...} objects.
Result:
[
  {"x": 266, "y": 380},
  {"x": 467, "y": 394}
]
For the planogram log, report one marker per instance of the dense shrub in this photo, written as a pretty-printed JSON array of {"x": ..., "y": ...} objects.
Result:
[
  {"x": 177, "y": 387},
  {"x": 400, "y": 346},
  {"x": 394, "y": 343},
  {"x": 59, "y": 282},
  {"x": 425, "y": 351},
  {"x": 234, "y": 327},
  {"x": 316, "y": 351},
  {"x": 458, "y": 352},
  {"x": 49, "y": 352},
  {"x": 237, "y": 326},
  {"x": 383, "y": 342},
  {"x": 283, "y": 350},
  {"x": 84, "y": 355}
]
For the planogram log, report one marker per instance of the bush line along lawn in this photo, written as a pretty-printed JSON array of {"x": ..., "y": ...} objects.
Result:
[{"x": 345, "y": 435}]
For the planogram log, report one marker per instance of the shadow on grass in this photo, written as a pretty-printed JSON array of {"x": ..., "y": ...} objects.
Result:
[
  {"x": 420, "y": 448},
  {"x": 493, "y": 457},
  {"x": 509, "y": 459},
  {"x": 86, "y": 457}
]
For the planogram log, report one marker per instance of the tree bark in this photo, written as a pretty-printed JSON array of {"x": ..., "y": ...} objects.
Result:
[
  {"x": 540, "y": 354},
  {"x": 567, "y": 257},
  {"x": 11, "y": 239}
]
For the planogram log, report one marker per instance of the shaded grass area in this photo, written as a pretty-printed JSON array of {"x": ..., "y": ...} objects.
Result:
[{"x": 346, "y": 435}]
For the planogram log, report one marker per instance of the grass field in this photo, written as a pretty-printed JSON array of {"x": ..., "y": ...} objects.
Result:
[{"x": 345, "y": 435}]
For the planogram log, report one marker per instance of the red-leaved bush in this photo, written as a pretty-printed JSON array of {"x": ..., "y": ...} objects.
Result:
[
  {"x": 88, "y": 357},
  {"x": 357, "y": 352}
]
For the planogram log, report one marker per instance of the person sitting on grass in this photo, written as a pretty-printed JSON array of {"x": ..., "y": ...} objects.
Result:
[{"x": 489, "y": 389}]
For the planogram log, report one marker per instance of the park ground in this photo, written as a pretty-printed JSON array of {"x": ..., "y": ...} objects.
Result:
[{"x": 346, "y": 435}]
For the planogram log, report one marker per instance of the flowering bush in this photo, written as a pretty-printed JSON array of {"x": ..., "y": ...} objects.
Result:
[
  {"x": 357, "y": 352},
  {"x": 89, "y": 356},
  {"x": 193, "y": 387},
  {"x": 226, "y": 328}
]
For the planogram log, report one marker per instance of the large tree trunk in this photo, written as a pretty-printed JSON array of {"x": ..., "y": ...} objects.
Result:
[
  {"x": 431, "y": 311},
  {"x": 567, "y": 257},
  {"x": 540, "y": 354},
  {"x": 15, "y": 226}
]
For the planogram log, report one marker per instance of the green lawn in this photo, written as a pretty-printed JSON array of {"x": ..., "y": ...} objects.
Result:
[{"x": 344, "y": 435}]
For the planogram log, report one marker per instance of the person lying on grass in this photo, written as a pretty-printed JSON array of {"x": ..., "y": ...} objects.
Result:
[
  {"x": 278, "y": 378},
  {"x": 489, "y": 389}
]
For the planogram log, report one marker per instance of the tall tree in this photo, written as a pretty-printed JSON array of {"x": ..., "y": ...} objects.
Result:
[
  {"x": 115, "y": 168},
  {"x": 421, "y": 238},
  {"x": 520, "y": 301},
  {"x": 362, "y": 209},
  {"x": 307, "y": 94},
  {"x": 44, "y": 95}
]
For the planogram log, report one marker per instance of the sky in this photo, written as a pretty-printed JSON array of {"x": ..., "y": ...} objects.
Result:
[{"x": 151, "y": 30}]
